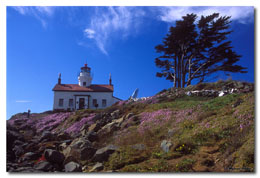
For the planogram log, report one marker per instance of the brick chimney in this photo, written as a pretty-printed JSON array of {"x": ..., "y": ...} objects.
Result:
[
  {"x": 59, "y": 79},
  {"x": 110, "y": 79}
]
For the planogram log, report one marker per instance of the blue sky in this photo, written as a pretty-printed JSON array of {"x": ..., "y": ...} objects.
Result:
[{"x": 44, "y": 41}]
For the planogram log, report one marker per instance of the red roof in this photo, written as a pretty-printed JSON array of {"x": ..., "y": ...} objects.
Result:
[{"x": 76, "y": 87}]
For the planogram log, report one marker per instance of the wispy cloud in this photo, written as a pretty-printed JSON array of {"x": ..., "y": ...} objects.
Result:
[
  {"x": 112, "y": 22},
  {"x": 23, "y": 101},
  {"x": 242, "y": 14},
  {"x": 39, "y": 12},
  {"x": 102, "y": 25}
]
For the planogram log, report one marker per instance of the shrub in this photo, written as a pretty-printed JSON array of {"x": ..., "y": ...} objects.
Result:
[{"x": 185, "y": 165}]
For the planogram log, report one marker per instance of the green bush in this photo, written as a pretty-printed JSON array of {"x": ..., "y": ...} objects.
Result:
[{"x": 185, "y": 165}]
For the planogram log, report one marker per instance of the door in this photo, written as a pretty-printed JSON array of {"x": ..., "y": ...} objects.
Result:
[{"x": 81, "y": 103}]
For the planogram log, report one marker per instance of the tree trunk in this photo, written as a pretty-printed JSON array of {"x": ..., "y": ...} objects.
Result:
[
  {"x": 179, "y": 73},
  {"x": 189, "y": 75}
]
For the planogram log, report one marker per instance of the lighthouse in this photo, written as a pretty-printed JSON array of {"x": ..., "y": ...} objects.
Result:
[
  {"x": 84, "y": 94},
  {"x": 84, "y": 77}
]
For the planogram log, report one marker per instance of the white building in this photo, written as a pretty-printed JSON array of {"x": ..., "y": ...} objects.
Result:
[{"x": 84, "y": 94}]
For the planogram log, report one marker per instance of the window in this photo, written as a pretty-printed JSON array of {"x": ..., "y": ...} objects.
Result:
[
  {"x": 94, "y": 102},
  {"x": 104, "y": 102},
  {"x": 70, "y": 102},
  {"x": 60, "y": 102},
  {"x": 84, "y": 83}
]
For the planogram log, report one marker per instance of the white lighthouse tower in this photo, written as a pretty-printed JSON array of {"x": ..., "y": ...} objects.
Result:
[{"x": 84, "y": 76}]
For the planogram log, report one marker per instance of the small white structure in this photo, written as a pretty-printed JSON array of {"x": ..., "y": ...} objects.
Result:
[{"x": 83, "y": 95}]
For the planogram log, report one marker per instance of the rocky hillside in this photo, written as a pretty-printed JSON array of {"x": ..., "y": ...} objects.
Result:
[{"x": 206, "y": 127}]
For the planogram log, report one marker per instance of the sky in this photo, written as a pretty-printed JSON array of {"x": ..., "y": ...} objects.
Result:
[{"x": 45, "y": 41}]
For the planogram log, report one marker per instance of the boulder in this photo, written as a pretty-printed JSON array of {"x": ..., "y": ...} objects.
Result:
[
  {"x": 166, "y": 145},
  {"x": 62, "y": 146},
  {"x": 128, "y": 116},
  {"x": 18, "y": 150},
  {"x": 133, "y": 120},
  {"x": 237, "y": 103},
  {"x": 30, "y": 156},
  {"x": 115, "y": 114},
  {"x": 221, "y": 93},
  {"x": 18, "y": 143},
  {"x": 94, "y": 127},
  {"x": 12, "y": 136},
  {"x": 54, "y": 156},
  {"x": 73, "y": 167},
  {"x": 139, "y": 147},
  {"x": 63, "y": 136},
  {"x": 104, "y": 153},
  {"x": 92, "y": 136},
  {"x": 97, "y": 167},
  {"x": 80, "y": 143},
  {"x": 46, "y": 135},
  {"x": 44, "y": 166},
  {"x": 80, "y": 149},
  {"x": 171, "y": 132},
  {"x": 108, "y": 128}
]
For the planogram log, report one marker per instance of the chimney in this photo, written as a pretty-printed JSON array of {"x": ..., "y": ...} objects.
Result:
[
  {"x": 110, "y": 80},
  {"x": 59, "y": 79}
]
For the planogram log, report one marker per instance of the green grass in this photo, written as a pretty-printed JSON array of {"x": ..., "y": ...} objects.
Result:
[
  {"x": 220, "y": 102},
  {"x": 184, "y": 102}
]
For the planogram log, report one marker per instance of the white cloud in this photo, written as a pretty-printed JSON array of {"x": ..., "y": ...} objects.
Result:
[
  {"x": 39, "y": 12},
  {"x": 89, "y": 33},
  {"x": 23, "y": 101},
  {"x": 242, "y": 14},
  {"x": 112, "y": 22}
]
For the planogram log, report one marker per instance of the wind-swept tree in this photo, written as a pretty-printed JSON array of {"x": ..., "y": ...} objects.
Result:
[{"x": 196, "y": 49}]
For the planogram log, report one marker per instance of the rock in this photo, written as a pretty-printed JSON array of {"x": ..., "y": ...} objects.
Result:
[
  {"x": 119, "y": 121},
  {"x": 166, "y": 145},
  {"x": 221, "y": 93},
  {"x": 94, "y": 127},
  {"x": 73, "y": 167},
  {"x": 80, "y": 143},
  {"x": 29, "y": 134},
  {"x": 30, "y": 156},
  {"x": 54, "y": 156},
  {"x": 79, "y": 149},
  {"x": 115, "y": 114},
  {"x": 12, "y": 136},
  {"x": 104, "y": 153},
  {"x": 133, "y": 120},
  {"x": 208, "y": 162},
  {"x": 19, "y": 122},
  {"x": 84, "y": 127},
  {"x": 237, "y": 103},
  {"x": 188, "y": 93},
  {"x": 109, "y": 128},
  {"x": 97, "y": 167},
  {"x": 18, "y": 150},
  {"x": 63, "y": 136},
  {"x": 171, "y": 132},
  {"x": 18, "y": 143},
  {"x": 25, "y": 169},
  {"x": 128, "y": 115},
  {"x": 239, "y": 85},
  {"x": 63, "y": 146},
  {"x": 139, "y": 147},
  {"x": 92, "y": 136},
  {"x": 46, "y": 135},
  {"x": 44, "y": 166}
]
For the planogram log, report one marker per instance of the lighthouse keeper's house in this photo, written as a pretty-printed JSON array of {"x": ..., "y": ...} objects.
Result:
[{"x": 83, "y": 95}]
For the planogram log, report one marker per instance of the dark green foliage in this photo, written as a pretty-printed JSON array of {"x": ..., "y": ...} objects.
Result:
[
  {"x": 196, "y": 49},
  {"x": 185, "y": 165}
]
